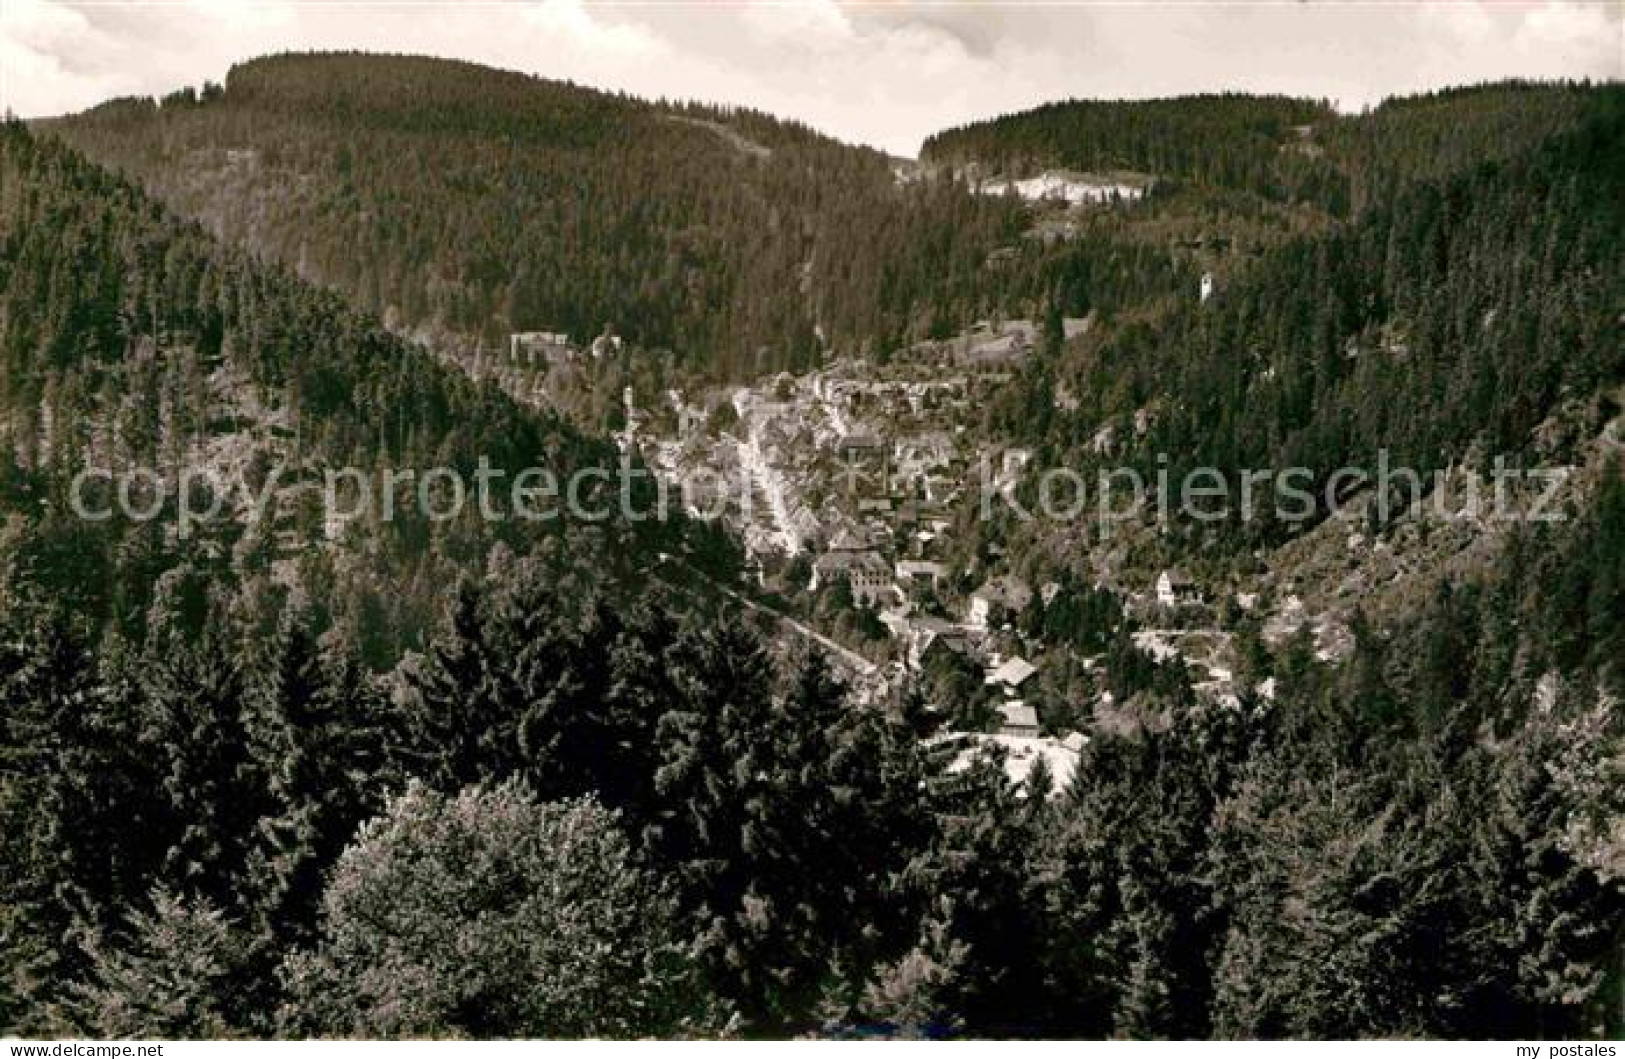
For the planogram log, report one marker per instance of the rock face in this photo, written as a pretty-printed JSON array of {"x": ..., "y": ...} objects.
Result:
[{"x": 1073, "y": 189}]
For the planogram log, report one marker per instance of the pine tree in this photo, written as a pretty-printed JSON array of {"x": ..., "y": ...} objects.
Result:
[
  {"x": 777, "y": 799},
  {"x": 977, "y": 883},
  {"x": 459, "y": 734},
  {"x": 323, "y": 744},
  {"x": 170, "y": 976},
  {"x": 194, "y": 726},
  {"x": 46, "y": 895}
]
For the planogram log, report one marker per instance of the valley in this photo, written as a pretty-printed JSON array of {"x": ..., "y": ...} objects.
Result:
[{"x": 898, "y": 720}]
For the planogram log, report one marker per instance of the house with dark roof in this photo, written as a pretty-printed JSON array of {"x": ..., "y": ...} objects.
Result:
[{"x": 932, "y": 638}]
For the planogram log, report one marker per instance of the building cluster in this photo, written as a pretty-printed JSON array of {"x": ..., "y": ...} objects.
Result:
[
  {"x": 848, "y": 479},
  {"x": 554, "y": 349},
  {"x": 857, "y": 467},
  {"x": 1069, "y": 188},
  {"x": 535, "y": 364},
  {"x": 989, "y": 346}
]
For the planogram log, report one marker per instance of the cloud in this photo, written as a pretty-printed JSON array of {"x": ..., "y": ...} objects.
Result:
[
  {"x": 880, "y": 73},
  {"x": 569, "y": 21},
  {"x": 1583, "y": 34}
]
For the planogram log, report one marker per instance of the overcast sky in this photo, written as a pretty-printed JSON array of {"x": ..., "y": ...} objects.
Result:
[{"x": 885, "y": 74}]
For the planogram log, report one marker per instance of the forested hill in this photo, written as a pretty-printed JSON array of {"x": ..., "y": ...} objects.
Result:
[
  {"x": 464, "y": 202},
  {"x": 475, "y": 202},
  {"x": 1474, "y": 294},
  {"x": 1228, "y": 140},
  {"x": 1274, "y": 146},
  {"x": 214, "y": 822},
  {"x": 134, "y": 343}
]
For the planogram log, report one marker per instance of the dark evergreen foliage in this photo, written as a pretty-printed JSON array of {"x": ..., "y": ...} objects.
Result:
[{"x": 457, "y": 779}]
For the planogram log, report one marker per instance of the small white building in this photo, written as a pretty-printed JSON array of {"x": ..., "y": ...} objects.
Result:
[
  {"x": 1207, "y": 285},
  {"x": 997, "y": 600},
  {"x": 1175, "y": 589}
]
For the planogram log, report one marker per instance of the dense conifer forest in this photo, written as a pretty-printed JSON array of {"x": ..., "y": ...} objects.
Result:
[
  {"x": 133, "y": 341},
  {"x": 478, "y": 202},
  {"x": 1450, "y": 311},
  {"x": 470, "y": 778}
]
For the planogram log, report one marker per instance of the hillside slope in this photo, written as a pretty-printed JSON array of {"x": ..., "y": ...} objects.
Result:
[
  {"x": 1276, "y": 147},
  {"x": 1455, "y": 307},
  {"x": 469, "y": 201},
  {"x": 132, "y": 342}
]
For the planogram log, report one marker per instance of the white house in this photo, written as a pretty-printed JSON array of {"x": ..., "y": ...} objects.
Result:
[
  {"x": 1174, "y": 589},
  {"x": 996, "y": 600},
  {"x": 921, "y": 571},
  {"x": 548, "y": 348},
  {"x": 865, "y": 573},
  {"x": 1018, "y": 719},
  {"x": 1011, "y": 674}
]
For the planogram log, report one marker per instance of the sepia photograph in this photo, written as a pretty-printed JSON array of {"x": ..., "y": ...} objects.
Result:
[{"x": 820, "y": 521}]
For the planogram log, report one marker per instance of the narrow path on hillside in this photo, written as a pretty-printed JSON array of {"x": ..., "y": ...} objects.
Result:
[
  {"x": 861, "y": 664},
  {"x": 733, "y": 137}
]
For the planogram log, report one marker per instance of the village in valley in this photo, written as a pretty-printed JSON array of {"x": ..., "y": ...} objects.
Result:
[
  {"x": 853, "y": 490},
  {"x": 1143, "y": 569},
  {"x": 846, "y": 484}
]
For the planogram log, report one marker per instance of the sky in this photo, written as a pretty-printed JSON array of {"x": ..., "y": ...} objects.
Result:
[{"x": 884, "y": 73}]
